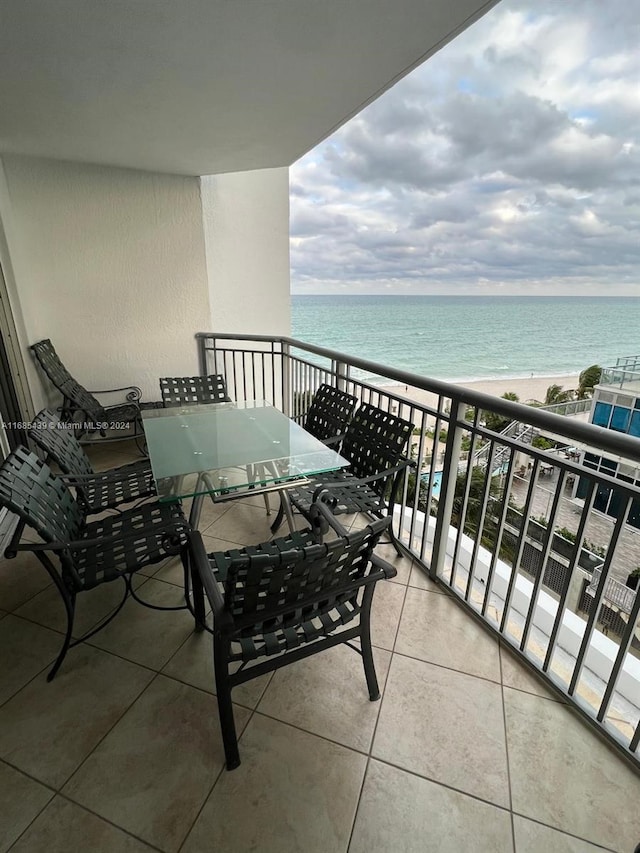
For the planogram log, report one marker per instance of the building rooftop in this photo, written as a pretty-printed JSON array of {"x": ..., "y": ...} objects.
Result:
[{"x": 623, "y": 376}]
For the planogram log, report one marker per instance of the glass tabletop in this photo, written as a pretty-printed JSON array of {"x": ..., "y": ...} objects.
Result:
[{"x": 223, "y": 448}]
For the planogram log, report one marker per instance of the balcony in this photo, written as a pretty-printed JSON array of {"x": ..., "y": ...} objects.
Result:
[
  {"x": 481, "y": 740},
  {"x": 624, "y": 376}
]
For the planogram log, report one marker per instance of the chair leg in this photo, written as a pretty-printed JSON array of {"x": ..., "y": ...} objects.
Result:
[
  {"x": 69, "y": 599},
  {"x": 394, "y": 541},
  {"x": 278, "y": 519},
  {"x": 225, "y": 708},
  {"x": 191, "y": 574},
  {"x": 365, "y": 640}
]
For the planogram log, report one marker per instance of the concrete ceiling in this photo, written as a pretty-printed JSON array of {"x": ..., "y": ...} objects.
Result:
[{"x": 204, "y": 86}]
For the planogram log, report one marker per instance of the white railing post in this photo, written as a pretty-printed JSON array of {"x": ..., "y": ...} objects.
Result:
[
  {"x": 340, "y": 371},
  {"x": 452, "y": 458},
  {"x": 285, "y": 366}
]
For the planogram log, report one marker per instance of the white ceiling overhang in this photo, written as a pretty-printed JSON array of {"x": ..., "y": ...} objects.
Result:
[{"x": 204, "y": 86}]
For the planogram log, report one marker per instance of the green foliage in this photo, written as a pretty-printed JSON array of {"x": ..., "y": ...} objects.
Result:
[
  {"x": 566, "y": 534},
  {"x": 414, "y": 480},
  {"x": 442, "y": 435},
  {"x": 555, "y": 395},
  {"x": 541, "y": 520},
  {"x": 497, "y": 422},
  {"x": 595, "y": 549},
  {"x": 589, "y": 378},
  {"x": 635, "y": 573},
  {"x": 474, "y": 501},
  {"x": 541, "y": 443}
]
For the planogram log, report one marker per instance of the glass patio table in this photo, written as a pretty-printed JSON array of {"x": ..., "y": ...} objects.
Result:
[{"x": 229, "y": 451}]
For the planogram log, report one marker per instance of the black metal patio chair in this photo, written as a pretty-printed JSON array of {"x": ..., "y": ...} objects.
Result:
[
  {"x": 329, "y": 414},
  {"x": 95, "y": 491},
  {"x": 285, "y": 600},
  {"x": 79, "y": 555},
  {"x": 190, "y": 390},
  {"x": 94, "y": 421},
  {"x": 373, "y": 444}
]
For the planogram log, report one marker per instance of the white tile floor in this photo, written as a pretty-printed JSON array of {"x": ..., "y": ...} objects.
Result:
[{"x": 121, "y": 752}]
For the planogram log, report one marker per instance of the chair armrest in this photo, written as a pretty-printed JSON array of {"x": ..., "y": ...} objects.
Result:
[
  {"x": 14, "y": 543},
  {"x": 203, "y": 567},
  {"x": 389, "y": 570},
  {"x": 82, "y": 544},
  {"x": 133, "y": 395},
  {"x": 364, "y": 481},
  {"x": 321, "y": 518},
  {"x": 109, "y": 476}
]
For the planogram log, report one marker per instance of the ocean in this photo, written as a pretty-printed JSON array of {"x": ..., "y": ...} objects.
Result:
[{"x": 462, "y": 338}]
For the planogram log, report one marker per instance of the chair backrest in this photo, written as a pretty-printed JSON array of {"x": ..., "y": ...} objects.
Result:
[
  {"x": 82, "y": 400},
  {"x": 189, "y": 390},
  {"x": 49, "y": 361},
  {"x": 374, "y": 441},
  {"x": 330, "y": 412},
  {"x": 59, "y": 443},
  {"x": 267, "y": 592},
  {"x": 39, "y": 498},
  {"x": 71, "y": 390}
]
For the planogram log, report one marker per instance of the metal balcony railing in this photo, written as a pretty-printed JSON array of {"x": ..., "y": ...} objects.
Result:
[
  {"x": 625, "y": 374},
  {"x": 615, "y": 593},
  {"x": 458, "y": 514}
]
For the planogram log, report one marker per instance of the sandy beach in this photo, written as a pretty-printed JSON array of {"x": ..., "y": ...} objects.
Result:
[
  {"x": 533, "y": 388},
  {"x": 530, "y": 388}
]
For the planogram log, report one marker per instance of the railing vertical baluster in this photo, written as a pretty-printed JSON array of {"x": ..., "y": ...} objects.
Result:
[
  {"x": 544, "y": 558},
  {"x": 273, "y": 370},
  {"x": 513, "y": 578},
  {"x": 597, "y": 601},
  {"x": 202, "y": 355},
  {"x": 625, "y": 645},
  {"x": 447, "y": 488},
  {"x": 285, "y": 364},
  {"x": 584, "y": 518}
]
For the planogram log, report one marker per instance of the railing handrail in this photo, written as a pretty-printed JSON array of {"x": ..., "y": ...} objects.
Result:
[{"x": 612, "y": 442}]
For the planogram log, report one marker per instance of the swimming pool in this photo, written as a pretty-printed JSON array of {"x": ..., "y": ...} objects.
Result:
[{"x": 437, "y": 480}]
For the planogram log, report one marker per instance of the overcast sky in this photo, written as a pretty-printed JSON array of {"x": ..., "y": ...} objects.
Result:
[{"x": 508, "y": 163}]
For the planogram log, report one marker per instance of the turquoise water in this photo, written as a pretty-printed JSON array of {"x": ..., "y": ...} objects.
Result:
[
  {"x": 460, "y": 338},
  {"x": 437, "y": 482}
]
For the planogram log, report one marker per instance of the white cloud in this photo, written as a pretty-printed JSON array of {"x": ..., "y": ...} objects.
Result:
[{"x": 508, "y": 160}]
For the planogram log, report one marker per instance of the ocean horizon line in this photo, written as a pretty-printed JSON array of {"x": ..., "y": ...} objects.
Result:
[{"x": 576, "y": 296}]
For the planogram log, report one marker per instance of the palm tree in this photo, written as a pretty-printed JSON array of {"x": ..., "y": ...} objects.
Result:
[
  {"x": 497, "y": 422},
  {"x": 555, "y": 395},
  {"x": 589, "y": 378}
]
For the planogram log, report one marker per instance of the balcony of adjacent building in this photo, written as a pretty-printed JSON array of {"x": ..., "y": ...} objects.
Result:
[
  {"x": 624, "y": 376},
  {"x": 509, "y": 711}
]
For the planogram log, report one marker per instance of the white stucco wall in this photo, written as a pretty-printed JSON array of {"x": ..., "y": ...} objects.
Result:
[
  {"x": 246, "y": 230},
  {"x": 109, "y": 264}
]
